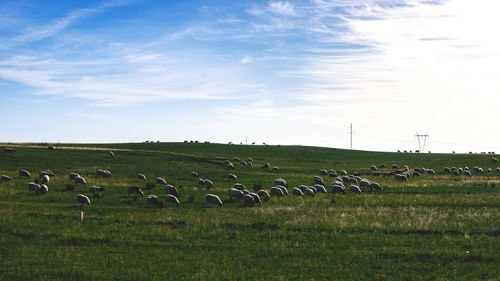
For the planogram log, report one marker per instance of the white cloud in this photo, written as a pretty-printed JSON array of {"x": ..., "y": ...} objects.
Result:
[
  {"x": 246, "y": 59},
  {"x": 279, "y": 7}
]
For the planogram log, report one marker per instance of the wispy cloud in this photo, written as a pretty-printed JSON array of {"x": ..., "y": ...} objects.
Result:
[{"x": 56, "y": 26}]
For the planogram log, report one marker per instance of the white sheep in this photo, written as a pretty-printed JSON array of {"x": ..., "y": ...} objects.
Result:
[
  {"x": 44, "y": 179},
  {"x": 235, "y": 193},
  {"x": 297, "y": 191},
  {"x": 276, "y": 191},
  {"x": 170, "y": 189},
  {"x": 141, "y": 177},
  {"x": 160, "y": 180},
  {"x": 82, "y": 199},
  {"x": 211, "y": 199},
  {"x": 24, "y": 173},
  {"x": 232, "y": 177},
  {"x": 337, "y": 188},
  {"x": 320, "y": 188},
  {"x": 80, "y": 180},
  {"x": 355, "y": 189},
  {"x": 152, "y": 200},
  {"x": 280, "y": 181},
  {"x": 4, "y": 178},
  {"x": 264, "y": 195},
  {"x": 73, "y": 175},
  {"x": 135, "y": 191},
  {"x": 169, "y": 198},
  {"x": 96, "y": 190}
]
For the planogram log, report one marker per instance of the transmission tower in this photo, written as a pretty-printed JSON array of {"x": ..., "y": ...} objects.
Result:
[
  {"x": 350, "y": 134},
  {"x": 422, "y": 139}
]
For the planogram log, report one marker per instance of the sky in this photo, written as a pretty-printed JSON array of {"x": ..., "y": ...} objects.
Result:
[{"x": 275, "y": 72}]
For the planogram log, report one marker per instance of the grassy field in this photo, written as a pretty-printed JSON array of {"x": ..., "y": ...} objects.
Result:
[{"x": 438, "y": 227}]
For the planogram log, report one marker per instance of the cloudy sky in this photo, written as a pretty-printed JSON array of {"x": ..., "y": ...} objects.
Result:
[{"x": 280, "y": 72}]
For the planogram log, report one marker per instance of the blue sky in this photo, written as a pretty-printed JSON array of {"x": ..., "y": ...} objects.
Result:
[{"x": 287, "y": 72}]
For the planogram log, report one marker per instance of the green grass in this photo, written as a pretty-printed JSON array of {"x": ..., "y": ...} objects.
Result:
[{"x": 429, "y": 228}]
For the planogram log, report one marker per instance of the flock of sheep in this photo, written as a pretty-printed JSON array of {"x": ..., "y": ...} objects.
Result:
[{"x": 342, "y": 182}]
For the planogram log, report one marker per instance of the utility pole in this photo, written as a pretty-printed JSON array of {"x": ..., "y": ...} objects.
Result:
[
  {"x": 350, "y": 133},
  {"x": 423, "y": 137}
]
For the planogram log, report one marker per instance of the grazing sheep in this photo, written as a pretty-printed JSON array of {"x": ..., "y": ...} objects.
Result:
[
  {"x": 170, "y": 189},
  {"x": 337, "y": 188},
  {"x": 239, "y": 186},
  {"x": 42, "y": 189},
  {"x": 267, "y": 165},
  {"x": 364, "y": 183},
  {"x": 141, "y": 177},
  {"x": 332, "y": 173},
  {"x": 111, "y": 154},
  {"x": 256, "y": 197},
  {"x": 447, "y": 169},
  {"x": 201, "y": 182},
  {"x": 318, "y": 180},
  {"x": 235, "y": 194},
  {"x": 355, "y": 189},
  {"x": 232, "y": 177},
  {"x": 494, "y": 159},
  {"x": 276, "y": 191},
  {"x": 345, "y": 179},
  {"x": 72, "y": 176},
  {"x": 195, "y": 174},
  {"x": 309, "y": 192},
  {"x": 373, "y": 168},
  {"x": 275, "y": 168},
  {"x": 302, "y": 188},
  {"x": 284, "y": 189},
  {"x": 4, "y": 178},
  {"x": 323, "y": 172},
  {"x": 103, "y": 173},
  {"x": 320, "y": 188},
  {"x": 343, "y": 173},
  {"x": 430, "y": 172},
  {"x": 209, "y": 184},
  {"x": 135, "y": 191},
  {"x": 264, "y": 195},
  {"x": 401, "y": 177},
  {"x": 248, "y": 200},
  {"x": 297, "y": 191},
  {"x": 467, "y": 173},
  {"x": 152, "y": 200},
  {"x": 160, "y": 180},
  {"x": 33, "y": 187},
  {"x": 51, "y": 147},
  {"x": 46, "y": 172},
  {"x": 82, "y": 199},
  {"x": 8, "y": 150},
  {"x": 96, "y": 190},
  {"x": 80, "y": 180},
  {"x": 280, "y": 181},
  {"x": 211, "y": 199},
  {"x": 243, "y": 163},
  {"x": 228, "y": 164},
  {"x": 169, "y": 198},
  {"x": 498, "y": 169},
  {"x": 45, "y": 179},
  {"x": 489, "y": 170},
  {"x": 375, "y": 186},
  {"x": 24, "y": 173}
]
